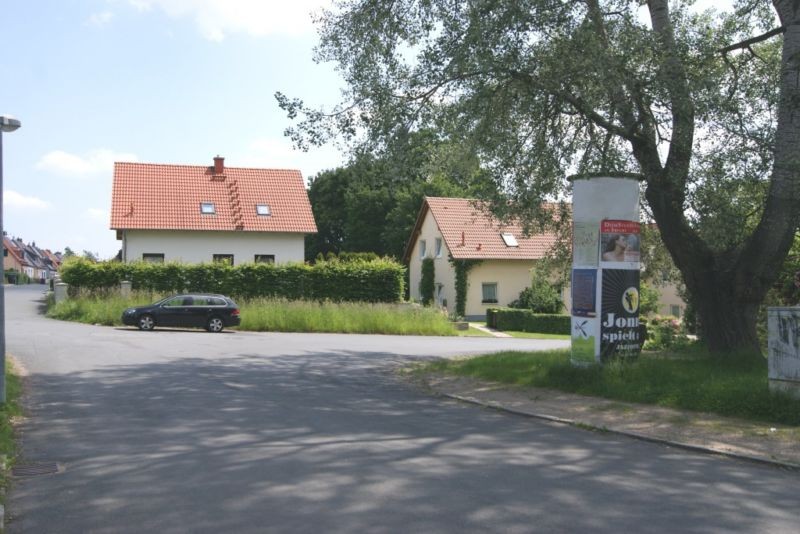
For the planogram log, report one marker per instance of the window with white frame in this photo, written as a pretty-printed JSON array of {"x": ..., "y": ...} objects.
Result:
[
  {"x": 422, "y": 248},
  {"x": 207, "y": 208},
  {"x": 489, "y": 292},
  {"x": 438, "y": 245},
  {"x": 675, "y": 310}
]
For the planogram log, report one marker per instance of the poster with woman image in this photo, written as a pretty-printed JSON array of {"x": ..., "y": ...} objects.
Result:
[{"x": 620, "y": 243}]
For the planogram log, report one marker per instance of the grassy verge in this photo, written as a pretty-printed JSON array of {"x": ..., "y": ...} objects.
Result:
[
  {"x": 532, "y": 335},
  {"x": 361, "y": 318},
  {"x": 8, "y": 411},
  {"x": 736, "y": 386},
  {"x": 275, "y": 315}
]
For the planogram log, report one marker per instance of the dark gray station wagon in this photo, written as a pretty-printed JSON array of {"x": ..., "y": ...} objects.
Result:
[{"x": 195, "y": 310}]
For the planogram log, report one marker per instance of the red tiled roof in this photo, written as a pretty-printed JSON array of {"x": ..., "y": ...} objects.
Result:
[
  {"x": 168, "y": 197},
  {"x": 13, "y": 250},
  {"x": 471, "y": 233}
]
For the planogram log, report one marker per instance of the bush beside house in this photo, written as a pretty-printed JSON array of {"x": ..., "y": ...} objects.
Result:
[
  {"x": 519, "y": 320},
  {"x": 370, "y": 281}
]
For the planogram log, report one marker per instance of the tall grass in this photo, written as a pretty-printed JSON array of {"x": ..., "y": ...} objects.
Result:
[
  {"x": 736, "y": 386},
  {"x": 10, "y": 409},
  {"x": 276, "y": 315},
  {"x": 98, "y": 307},
  {"x": 345, "y": 317}
]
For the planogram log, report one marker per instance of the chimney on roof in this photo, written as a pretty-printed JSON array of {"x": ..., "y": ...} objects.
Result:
[{"x": 219, "y": 165}]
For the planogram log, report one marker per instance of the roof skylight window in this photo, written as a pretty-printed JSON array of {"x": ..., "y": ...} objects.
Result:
[
  {"x": 207, "y": 208},
  {"x": 263, "y": 209},
  {"x": 510, "y": 240}
]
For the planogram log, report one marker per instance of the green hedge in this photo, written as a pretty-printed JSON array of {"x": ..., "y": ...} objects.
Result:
[
  {"x": 379, "y": 280},
  {"x": 527, "y": 321}
]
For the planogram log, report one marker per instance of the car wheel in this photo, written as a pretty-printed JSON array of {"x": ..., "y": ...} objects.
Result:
[
  {"x": 215, "y": 324},
  {"x": 146, "y": 322}
]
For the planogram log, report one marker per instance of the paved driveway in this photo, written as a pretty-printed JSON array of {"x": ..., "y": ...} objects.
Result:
[{"x": 177, "y": 431}]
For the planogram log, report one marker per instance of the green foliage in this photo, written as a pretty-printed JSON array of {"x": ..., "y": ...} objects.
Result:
[
  {"x": 378, "y": 280},
  {"x": 665, "y": 333},
  {"x": 266, "y": 314},
  {"x": 8, "y": 411},
  {"x": 462, "y": 268},
  {"x": 537, "y": 87},
  {"x": 270, "y": 315},
  {"x": 648, "y": 299},
  {"x": 426, "y": 282},
  {"x": 520, "y": 320},
  {"x": 541, "y": 297},
  {"x": 16, "y": 277},
  {"x": 372, "y": 203},
  {"x": 690, "y": 380}
]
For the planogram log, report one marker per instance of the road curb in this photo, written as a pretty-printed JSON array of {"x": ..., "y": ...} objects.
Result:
[{"x": 635, "y": 435}]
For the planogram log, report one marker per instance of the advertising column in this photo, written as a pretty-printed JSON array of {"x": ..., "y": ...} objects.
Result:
[{"x": 605, "y": 269}]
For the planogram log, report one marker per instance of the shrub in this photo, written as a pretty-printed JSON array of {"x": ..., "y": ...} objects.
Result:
[
  {"x": 519, "y": 320},
  {"x": 379, "y": 280},
  {"x": 665, "y": 333},
  {"x": 426, "y": 282}
]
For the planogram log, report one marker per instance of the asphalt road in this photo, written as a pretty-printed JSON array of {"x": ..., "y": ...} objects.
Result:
[{"x": 185, "y": 431}]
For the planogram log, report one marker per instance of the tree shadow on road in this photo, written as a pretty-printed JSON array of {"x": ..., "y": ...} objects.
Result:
[{"x": 247, "y": 443}]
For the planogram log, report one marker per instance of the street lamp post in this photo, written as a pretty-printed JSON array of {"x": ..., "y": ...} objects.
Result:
[{"x": 7, "y": 124}]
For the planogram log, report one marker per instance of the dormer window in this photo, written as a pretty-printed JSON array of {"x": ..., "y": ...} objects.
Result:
[
  {"x": 263, "y": 210},
  {"x": 207, "y": 208},
  {"x": 510, "y": 240}
]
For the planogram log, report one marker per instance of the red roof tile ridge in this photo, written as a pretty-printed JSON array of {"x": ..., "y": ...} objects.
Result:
[{"x": 194, "y": 166}]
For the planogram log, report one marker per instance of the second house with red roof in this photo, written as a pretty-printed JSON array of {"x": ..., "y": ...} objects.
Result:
[{"x": 195, "y": 213}]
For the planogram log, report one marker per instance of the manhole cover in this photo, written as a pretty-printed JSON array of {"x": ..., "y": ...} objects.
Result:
[{"x": 34, "y": 470}]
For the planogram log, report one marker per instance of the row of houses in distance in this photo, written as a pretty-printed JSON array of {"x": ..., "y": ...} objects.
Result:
[{"x": 20, "y": 258}]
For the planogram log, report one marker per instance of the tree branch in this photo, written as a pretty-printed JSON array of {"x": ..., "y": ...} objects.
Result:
[{"x": 753, "y": 40}]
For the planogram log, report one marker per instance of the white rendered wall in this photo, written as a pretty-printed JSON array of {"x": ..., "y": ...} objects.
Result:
[
  {"x": 511, "y": 277},
  {"x": 444, "y": 273},
  {"x": 199, "y": 247}
]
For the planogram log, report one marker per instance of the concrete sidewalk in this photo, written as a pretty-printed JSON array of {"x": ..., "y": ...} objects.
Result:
[{"x": 709, "y": 433}]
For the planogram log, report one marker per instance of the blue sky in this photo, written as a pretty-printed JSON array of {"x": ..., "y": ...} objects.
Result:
[{"x": 156, "y": 81}]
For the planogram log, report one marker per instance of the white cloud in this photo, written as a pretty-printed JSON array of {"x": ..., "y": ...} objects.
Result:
[
  {"x": 100, "y": 19},
  {"x": 12, "y": 199},
  {"x": 93, "y": 162},
  {"x": 217, "y": 18},
  {"x": 96, "y": 214}
]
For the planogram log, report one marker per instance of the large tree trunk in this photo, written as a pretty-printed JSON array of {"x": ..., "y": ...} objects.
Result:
[{"x": 726, "y": 288}]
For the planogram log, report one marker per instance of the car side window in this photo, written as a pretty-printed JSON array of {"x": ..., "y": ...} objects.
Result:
[
  {"x": 200, "y": 301},
  {"x": 177, "y": 301},
  {"x": 212, "y": 301}
]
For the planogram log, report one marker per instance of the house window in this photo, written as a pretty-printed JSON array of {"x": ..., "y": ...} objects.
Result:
[
  {"x": 265, "y": 258},
  {"x": 510, "y": 240},
  {"x": 150, "y": 257},
  {"x": 422, "y": 246},
  {"x": 675, "y": 310},
  {"x": 207, "y": 208},
  {"x": 438, "y": 246},
  {"x": 440, "y": 294},
  {"x": 223, "y": 258},
  {"x": 489, "y": 291},
  {"x": 263, "y": 210}
]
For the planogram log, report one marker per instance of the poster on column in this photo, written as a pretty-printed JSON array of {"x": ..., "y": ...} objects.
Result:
[
  {"x": 584, "y": 292},
  {"x": 619, "y": 244},
  {"x": 585, "y": 240},
  {"x": 584, "y": 331},
  {"x": 620, "y": 336}
]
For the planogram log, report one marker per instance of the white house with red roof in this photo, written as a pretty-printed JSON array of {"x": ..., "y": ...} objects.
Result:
[
  {"x": 195, "y": 214},
  {"x": 460, "y": 228}
]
